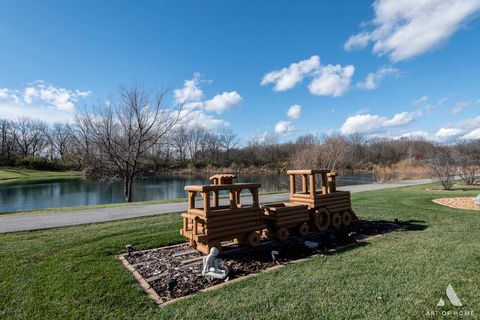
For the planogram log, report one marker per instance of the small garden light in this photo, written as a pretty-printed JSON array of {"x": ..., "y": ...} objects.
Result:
[
  {"x": 129, "y": 248},
  {"x": 274, "y": 254}
]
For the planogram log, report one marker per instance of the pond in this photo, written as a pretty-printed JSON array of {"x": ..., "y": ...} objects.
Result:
[{"x": 58, "y": 193}]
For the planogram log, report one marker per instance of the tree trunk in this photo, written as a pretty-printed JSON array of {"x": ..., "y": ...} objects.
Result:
[{"x": 127, "y": 188}]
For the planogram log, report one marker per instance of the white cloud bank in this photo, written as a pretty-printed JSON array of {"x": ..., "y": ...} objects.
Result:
[
  {"x": 294, "y": 112},
  {"x": 403, "y": 29},
  {"x": 371, "y": 124},
  {"x": 40, "y": 100},
  {"x": 326, "y": 80},
  {"x": 196, "y": 110}
]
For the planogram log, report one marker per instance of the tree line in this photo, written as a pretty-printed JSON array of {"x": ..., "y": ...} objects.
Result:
[{"x": 138, "y": 135}]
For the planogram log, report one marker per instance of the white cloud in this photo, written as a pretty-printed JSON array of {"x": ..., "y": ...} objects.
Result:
[
  {"x": 222, "y": 102},
  {"x": 469, "y": 123},
  {"x": 288, "y": 78},
  {"x": 441, "y": 101},
  {"x": 202, "y": 119},
  {"x": 327, "y": 80},
  {"x": 403, "y": 29},
  {"x": 196, "y": 111},
  {"x": 472, "y": 135},
  {"x": 13, "y": 111},
  {"x": 370, "y": 124},
  {"x": 294, "y": 112},
  {"x": 363, "y": 123},
  {"x": 285, "y": 128},
  {"x": 40, "y": 100},
  {"x": 420, "y": 100},
  {"x": 190, "y": 90},
  {"x": 448, "y": 134},
  {"x": 373, "y": 79},
  {"x": 459, "y": 106},
  {"x": 401, "y": 119},
  {"x": 331, "y": 80},
  {"x": 420, "y": 134}
]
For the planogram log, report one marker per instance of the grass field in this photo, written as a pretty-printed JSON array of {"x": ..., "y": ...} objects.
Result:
[
  {"x": 71, "y": 273},
  {"x": 9, "y": 174}
]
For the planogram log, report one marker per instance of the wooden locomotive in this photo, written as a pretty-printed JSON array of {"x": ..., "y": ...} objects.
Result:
[{"x": 207, "y": 226}]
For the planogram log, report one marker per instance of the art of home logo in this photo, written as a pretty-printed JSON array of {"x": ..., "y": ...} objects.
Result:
[{"x": 454, "y": 301}]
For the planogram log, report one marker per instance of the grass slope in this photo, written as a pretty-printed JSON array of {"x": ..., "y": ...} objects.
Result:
[
  {"x": 9, "y": 174},
  {"x": 70, "y": 273}
]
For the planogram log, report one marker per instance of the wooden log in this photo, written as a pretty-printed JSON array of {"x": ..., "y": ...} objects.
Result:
[
  {"x": 292, "y": 184},
  {"x": 191, "y": 199},
  {"x": 324, "y": 183},
  {"x": 230, "y": 228},
  {"x": 206, "y": 201},
  {"x": 233, "y": 199},
  {"x": 312, "y": 185},
  {"x": 230, "y": 235},
  {"x": 304, "y": 183}
]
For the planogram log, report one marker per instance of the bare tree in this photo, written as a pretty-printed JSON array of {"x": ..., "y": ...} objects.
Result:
[
  {"x": 442, "y": 166},
  {"x": 60, "y": 137},
  {"x": 179, "y": 142},
  {"x": 195, "y": 135},
  {"x": 467, "y": 158},
  {"x": 31, "y": 136},
  {"x": 229, "y": 140},
  {"x": 329, "y": 153},
  {"x": 8, "y": 140},
  {"x": 123, "y": 133}
]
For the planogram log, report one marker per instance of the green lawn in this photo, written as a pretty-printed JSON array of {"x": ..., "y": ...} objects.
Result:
[
  {"x": 71, "y": 273},
  {"x": 8, "y": 174}
]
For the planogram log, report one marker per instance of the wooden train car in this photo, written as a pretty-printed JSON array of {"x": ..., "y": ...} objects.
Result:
[
  {"x": 283, "y": 218},
  {"x": 328, "y": 207},
  {"x": 309, "y": 207},
  {"x": 206, "y": 227}
]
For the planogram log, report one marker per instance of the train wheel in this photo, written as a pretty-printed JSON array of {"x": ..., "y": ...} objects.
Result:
[
  {"x": 321, "y": 219},
  {"x": 253, "y": 239},
  {"x": 336, "y": 220},
  {"x": 269, "y": 234},
  {"x": 303, "y": 229},
  {"x": 346, "y": 218},
  {"x": 281, "y": 234}
]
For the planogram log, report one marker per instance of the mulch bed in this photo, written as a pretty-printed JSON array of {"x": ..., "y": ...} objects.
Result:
[
  {"x": 458, "y": 202},
  {"x": 175, "y": 271}
]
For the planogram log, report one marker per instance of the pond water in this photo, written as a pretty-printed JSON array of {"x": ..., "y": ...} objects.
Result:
[{"x": 60, "y": 193}]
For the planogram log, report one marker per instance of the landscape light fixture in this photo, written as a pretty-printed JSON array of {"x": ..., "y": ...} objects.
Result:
[
  {"x": 129, "y": 248},
  {"x": 274, "y": 254},
  {"x": 171, "y": 284}
]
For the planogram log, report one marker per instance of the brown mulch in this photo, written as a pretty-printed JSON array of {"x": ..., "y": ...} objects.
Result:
[
  {"x": 169, "y": 271},
  {"x": 458, "y": 202}
]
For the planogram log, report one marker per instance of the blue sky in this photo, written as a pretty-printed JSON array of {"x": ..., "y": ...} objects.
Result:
[{"x": 384, "y": 68}]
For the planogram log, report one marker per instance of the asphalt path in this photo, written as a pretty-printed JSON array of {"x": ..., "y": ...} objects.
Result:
[{"x": 54, "y": 219}]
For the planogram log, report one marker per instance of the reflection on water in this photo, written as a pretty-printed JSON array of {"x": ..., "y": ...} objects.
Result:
[{"x": 78, "y": 192}]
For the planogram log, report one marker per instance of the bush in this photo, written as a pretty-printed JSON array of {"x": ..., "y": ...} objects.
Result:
[{"x": 40, "y": 164}]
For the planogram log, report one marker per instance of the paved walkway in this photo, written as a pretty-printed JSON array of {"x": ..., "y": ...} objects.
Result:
[{"x": 37, "y": 221}]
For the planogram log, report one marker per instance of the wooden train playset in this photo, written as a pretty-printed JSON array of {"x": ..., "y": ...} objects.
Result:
[{"x": 309, "y": 209}]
